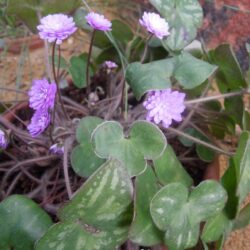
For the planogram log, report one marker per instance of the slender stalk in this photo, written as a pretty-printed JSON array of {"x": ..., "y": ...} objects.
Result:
[
  {"x": 59, "y": 62},
  {"x": 65, "y": 166},
  {"x": 57, "y": 84},
  {"x": 145, "y": 52},
  {"x": 192, "y": 112},
  {"x": 88, "y": 62},
  {"x": 86, "y": 5},
  {"x": 196, "y": 140},
  {"x": 216, "y": 97}
]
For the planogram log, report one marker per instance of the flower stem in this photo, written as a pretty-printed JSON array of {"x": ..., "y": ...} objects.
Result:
[
  {"x": 145, "y": 52},
  {"x": 88, "y": 62},
  {"x": 57, "y": 84},
  {"x": 67, "y": 144},
  {"x": 211, "y": 98},
  {"x": 196, "y": 140}
]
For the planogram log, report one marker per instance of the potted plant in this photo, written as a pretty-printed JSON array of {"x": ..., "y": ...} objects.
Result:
[{"x": 116, "y": 160}]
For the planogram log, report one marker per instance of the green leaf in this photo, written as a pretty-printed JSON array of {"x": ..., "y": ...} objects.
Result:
[
  {"x": 229, "y": 74},
  {"x": 203, "y": 152},
  {"x": 179, "y": 214},
  {"x": 243, "y": 219},
  {"x": 77, "y": 70},
  {"x": 169, "y": 169},
  {"x": 242, "y": 162},
  {"x": 235, "y": 107},
  {"x": 80, "y": 20},
  {"x": 22, "y": 223},
  {"x": 229, "y": 182},
  {"x": 79, "y": 236},
  {"x": 101, "y": 40},
  {"x": 190, "y": 71},
  {"x": 121, "y": 31},
  {"x": 86, "y": 127},
  {"x": 246, "y": 121},
  {"x": 145, "y": 142},
  {"x": 99, "y": 214},
  {"x": 63, "y": 62},
  {"x": 216, "y": 227},
  {"x": 83, "y": 158},
  {"x": 149, "y": 76},
  {"x": 26, "y": 10},
  {"x": 184, "y": 17},
  {"x": 143, "y": 231},
  {"x": 236, "y": 179}
]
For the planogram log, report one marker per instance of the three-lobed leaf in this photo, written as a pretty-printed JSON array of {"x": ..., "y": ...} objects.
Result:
[
  {"x": 189, "y": 71},
  {"x": 179, "y": 213},
  {"x": 145, "y": 142}
]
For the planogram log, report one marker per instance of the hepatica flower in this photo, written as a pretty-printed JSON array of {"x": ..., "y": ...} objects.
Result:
[
  {"x": 164, "y": 106},
  {"x": 56, "y": 27},
  {"x": 110, "y": 64},
  {"x": 39, "y": 122},
  {"x": 57, "y": 149},
  {"x": 3, "y": 140},
  {"x": 155, "y": 24},
  {"x": 98, "y": 22},
  {"x": 42, "y": 95}
]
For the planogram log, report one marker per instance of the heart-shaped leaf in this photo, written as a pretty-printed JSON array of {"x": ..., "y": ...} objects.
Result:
[
  {"x": 188, "y": 70},
  {"x": 143, "y": 231},
  {"x": 145, "y": 142},
  {"x": 22, "y": 222},
  {"x": 99, "y": 214},
  {"x": 83, "y": 158},
  {"x": 179, "y": 214},
  {"x": 184, "y": 17},
  {"x": 169, "y": 169}
]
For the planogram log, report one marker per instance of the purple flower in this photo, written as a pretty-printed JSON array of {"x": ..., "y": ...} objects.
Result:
[
  {"x": 57, "y": 149},
  {"x": 155, "y": 24},
  {"x": 56, "y": 27},
  {"x": 110, "y": 64},
  {"x": 164, "y": 106},
  {"x": 42, "y": 95},
  {"x": 98, "y": 22},
  {"x": 39, "y": 122},
  {"x": 3, "y": 140}
]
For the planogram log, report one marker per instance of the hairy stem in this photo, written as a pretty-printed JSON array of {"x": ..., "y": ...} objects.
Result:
[
  {"x": 88, "y": 62},
  {"x": 67, "y": 144},
  {"x": 145, "y": 52},
  {"x": 196, "y": 140},
  {"x": 57, "y": 84},
  {"x": 216, "y": 97}
]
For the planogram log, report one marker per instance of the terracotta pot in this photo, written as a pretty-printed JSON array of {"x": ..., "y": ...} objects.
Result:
[
  {"x": 212, "y": 172},
  {"x": 14, "y": 45}
]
